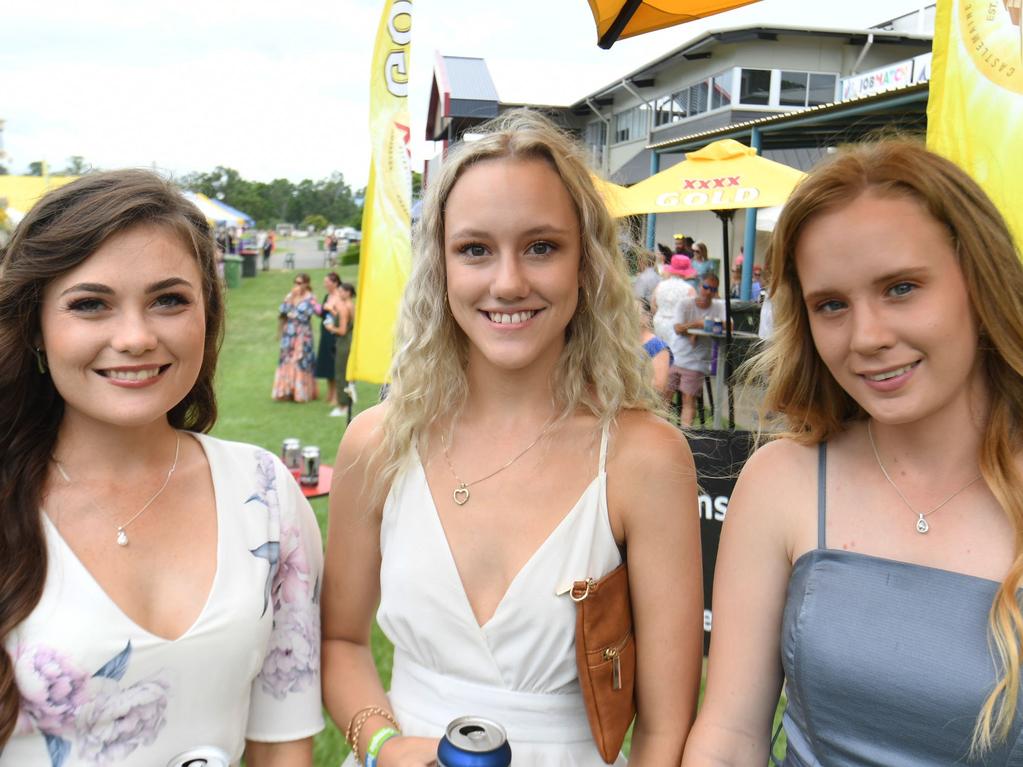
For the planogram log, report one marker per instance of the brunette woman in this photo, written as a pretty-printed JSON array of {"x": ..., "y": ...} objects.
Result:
[{"x": 159, "y": 586}]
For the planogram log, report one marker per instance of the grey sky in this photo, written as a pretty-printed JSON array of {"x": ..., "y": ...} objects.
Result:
[{"x": 281, "y": 89}]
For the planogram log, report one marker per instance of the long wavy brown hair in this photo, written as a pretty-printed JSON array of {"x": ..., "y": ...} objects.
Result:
[
  {"x": 64, "y": 229},
  {"x": 814, "y": 407}
]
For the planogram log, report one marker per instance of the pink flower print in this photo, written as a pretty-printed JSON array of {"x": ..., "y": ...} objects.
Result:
[
  {"x": 291, "y": 581},
  {"x": 117, "y": 721},
  {"x": 292, "y": 659},
  {"x": 52, "y": 689}
]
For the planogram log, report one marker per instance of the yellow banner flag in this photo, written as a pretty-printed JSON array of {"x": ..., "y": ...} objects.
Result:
[
  {"x": 385, "y": 259},
  {"x": 975, "y": 106}
]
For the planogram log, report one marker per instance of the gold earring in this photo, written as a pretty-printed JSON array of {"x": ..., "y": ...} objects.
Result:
[{"x": 41, "y": 360}]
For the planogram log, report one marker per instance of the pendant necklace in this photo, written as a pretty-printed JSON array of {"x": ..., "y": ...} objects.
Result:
[
  {"x": 461, "y": 491},
  {"x": 122, "y": 535},
  {"x": 921, "y": 522}
]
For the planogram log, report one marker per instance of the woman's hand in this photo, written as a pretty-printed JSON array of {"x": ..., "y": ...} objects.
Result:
[{"x": 404, "y": 751}]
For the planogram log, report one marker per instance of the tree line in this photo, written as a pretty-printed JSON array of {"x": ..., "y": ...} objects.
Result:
[
  {"x": 269, "y": 203},
  {"x": 280, "y": 200}
]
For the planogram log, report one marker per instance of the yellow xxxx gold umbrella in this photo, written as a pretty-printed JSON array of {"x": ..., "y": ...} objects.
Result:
[
  {"x": 613, "y": 195},
  {"x": 721, "y": 176},
  {"x": 616, "y": 19}
]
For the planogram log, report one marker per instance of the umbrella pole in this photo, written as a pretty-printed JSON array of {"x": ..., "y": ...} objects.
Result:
[{"x": 726, "y": 216}]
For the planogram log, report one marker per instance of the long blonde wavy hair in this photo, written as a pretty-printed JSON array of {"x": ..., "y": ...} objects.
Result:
[
  {"x": 813, "y": 406},
  {"x": 600, "y": 370}
]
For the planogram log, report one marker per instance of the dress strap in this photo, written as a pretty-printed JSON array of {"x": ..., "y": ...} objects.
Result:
[
  {"x": 603, "y": 448},
  {"x": 822, "y": 494}
]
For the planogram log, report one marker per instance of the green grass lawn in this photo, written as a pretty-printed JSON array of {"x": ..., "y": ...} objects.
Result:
[
  {"x": 248, "y": 359},
  {"x": 248, "y": 414}
]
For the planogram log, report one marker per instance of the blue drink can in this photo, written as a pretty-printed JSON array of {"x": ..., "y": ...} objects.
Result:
[{"x": 472, "y": 741}]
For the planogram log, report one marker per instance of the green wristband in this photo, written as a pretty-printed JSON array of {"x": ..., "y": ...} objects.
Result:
[{"x": 380, "y": 737}]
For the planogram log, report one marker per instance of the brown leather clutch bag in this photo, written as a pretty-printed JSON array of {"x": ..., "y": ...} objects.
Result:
[{"x": 605, "y": 653}]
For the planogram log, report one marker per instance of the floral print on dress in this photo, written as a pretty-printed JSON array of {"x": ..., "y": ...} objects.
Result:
[
  {"x": 295, "y": 366},
  {"x": 95, "y": 714},
  {"x": 292, "y": 661}
]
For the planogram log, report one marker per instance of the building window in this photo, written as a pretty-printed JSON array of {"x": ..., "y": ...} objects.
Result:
[
  {"x": 802, "y": 89},
  {"x": 698, "y": 98},
  {"x": 822, "y": 90},
  {"x": 755, "y": 87},
  {"x": 631, "y": 124},
  {"x": 721, "y": 90},
  {"x": 663, "y": 111}
]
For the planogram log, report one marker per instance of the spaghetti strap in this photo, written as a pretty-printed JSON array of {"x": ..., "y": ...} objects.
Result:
[
  {"x": 603, "y": 449},
  {"x": 822, "y": 493}
]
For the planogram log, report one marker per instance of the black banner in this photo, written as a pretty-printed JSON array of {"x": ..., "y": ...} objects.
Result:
[{"x": 719, "y": 457}]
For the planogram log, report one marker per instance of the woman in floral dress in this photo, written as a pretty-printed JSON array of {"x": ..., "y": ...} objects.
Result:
[
  {"x": 159, "y": 586},
  {"x": 296, "y": 366}
]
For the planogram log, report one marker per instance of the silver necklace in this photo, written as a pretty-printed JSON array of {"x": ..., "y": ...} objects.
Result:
[
  {"x": 460, "y": 494},
  {"x": 921, "y": 522},
  {"x": 122, "y": 535}
]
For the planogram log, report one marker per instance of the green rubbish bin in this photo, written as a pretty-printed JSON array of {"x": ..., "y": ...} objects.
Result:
[{"x": 233, "y": 271}]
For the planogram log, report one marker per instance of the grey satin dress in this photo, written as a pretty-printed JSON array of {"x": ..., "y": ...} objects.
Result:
[{"x": 886, "y": 663}]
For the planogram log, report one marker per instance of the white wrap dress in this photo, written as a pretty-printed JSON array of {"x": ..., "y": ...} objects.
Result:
[{"x": 519, "y": 667}]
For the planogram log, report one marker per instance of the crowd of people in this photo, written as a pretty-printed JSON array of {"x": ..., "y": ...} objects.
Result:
[
  {"x": 166, "y": 593},
  {"x": 299, "y": 365}
]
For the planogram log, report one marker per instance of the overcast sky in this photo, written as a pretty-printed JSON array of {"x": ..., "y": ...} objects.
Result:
[{"x": 281, "y": 89}]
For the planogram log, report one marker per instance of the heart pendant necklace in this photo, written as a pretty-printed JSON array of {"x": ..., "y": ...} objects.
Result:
[{"x": 460, "y": 495}]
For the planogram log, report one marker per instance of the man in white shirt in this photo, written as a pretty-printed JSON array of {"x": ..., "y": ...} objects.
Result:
[{"x": 693, "y": 353}]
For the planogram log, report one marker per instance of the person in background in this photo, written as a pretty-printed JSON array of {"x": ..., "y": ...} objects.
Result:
[
  {"x": 872, "y": 555},
  {"x": 683, "y": 245},
  {"x": 296, "y": 363},
  {"x": 160, "y": 586},
  {"x": 757, "y": 287},
  {"x": 701, "y": 260},
  {"x": 647, "y": 278},
  {"x": 332, "y": 249},
  {"x": 325, "y": 352},
  {"x": 669, "y": 291},
  {"x": 658, "y": 351},
  {"x": 266, "y": 248},
  {"x": 516, "y": 452},
  {"x": 692, "y": 354},
  {"x": 343, "y": 329},
  {"x": 735, "y": 277}
]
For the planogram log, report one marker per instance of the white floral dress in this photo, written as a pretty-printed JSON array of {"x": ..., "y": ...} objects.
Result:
[{"x": 97, "y": 689}]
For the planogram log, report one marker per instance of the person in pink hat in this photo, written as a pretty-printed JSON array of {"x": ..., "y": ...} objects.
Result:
[{"x": 672, "y": 289}]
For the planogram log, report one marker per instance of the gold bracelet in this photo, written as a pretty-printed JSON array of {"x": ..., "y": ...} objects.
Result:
[{"x": 359, "y": 719}]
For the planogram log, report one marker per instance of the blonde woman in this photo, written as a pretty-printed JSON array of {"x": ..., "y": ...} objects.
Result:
[
  {"x": 871, "y": 557},
  {"x": 517, "y": 451}
]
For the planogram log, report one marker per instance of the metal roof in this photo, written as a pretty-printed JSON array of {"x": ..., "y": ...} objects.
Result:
[
  {"x": 701, "y": 44},
  {"x": 469, "y": 79}
]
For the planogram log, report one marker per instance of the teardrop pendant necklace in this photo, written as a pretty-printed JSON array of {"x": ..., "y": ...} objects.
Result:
[
  {"x": 922, "y": 525},
  {"x": 122, "y": 534},
  {"x": 460, "y": 494}
]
